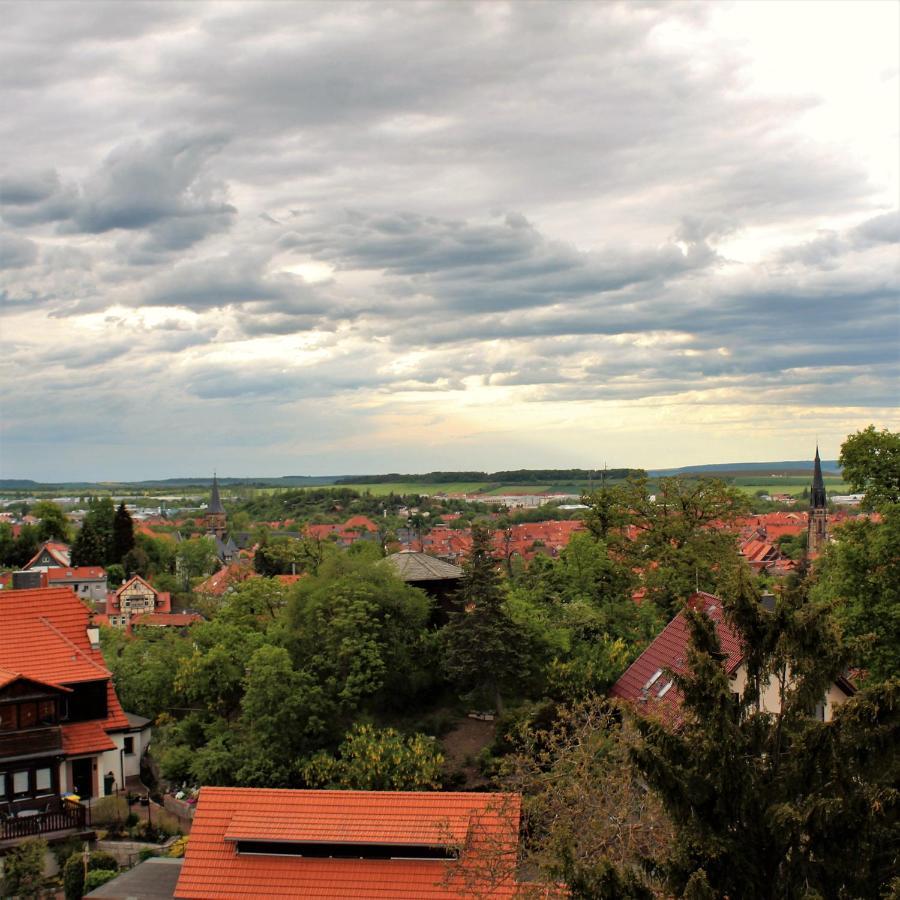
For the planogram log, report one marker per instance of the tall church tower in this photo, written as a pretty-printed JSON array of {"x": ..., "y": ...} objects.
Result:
[
  {"x": 817, "y": 533},
  {"x": 215, "y": 512}
]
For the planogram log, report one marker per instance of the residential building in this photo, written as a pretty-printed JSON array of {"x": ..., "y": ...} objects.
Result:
[
  {"x": 51, "y": 554},
  {"x": 136, "y": 597},
  {"x": 648, "y": 686},
  {"x": 256, "y": 842},
  {"x": 62, "y": 729}
]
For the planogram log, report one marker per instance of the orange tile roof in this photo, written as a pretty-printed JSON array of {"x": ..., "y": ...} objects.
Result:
[
  {"x": 75, "y": 573},
  {"x": 85, "y": 737},
  {"x": 485, "y": 825},
  {"x": 8, "y": 677},
  {"x": 43, "y": 633}
]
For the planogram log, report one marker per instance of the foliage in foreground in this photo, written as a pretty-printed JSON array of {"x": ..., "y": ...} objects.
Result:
[
  {"x": 764, "y": 805},
  {"x": 23, "y": 869}
]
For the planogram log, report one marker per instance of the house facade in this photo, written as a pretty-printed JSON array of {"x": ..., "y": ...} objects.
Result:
[{"x": 62, "y": 729}]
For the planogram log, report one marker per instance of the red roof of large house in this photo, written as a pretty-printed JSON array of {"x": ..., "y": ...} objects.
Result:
[
  {"x": 483, "y": 827},
  {"x": 85, "y": 737},
  {"x": 648, "y": 685},
  {"x": 43, "y": 635}
]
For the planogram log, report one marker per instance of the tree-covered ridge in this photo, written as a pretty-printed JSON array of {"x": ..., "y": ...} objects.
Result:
[{"x": 513, "y": 476}]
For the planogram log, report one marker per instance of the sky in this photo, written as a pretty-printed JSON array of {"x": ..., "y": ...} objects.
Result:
[{"x": 302, "y": 238}]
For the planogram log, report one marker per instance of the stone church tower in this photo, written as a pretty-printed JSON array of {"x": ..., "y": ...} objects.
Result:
[
  {"x": 215, "y": 512},
  {"x": 817, "y": 533}
]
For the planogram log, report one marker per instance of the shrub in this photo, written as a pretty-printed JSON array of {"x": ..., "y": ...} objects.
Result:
[
  {"x": 23, "y": 869},
  {"x": 101, "y": 860},
  {"x": 97, "y": 877},
  {"x": 131, "y": 820},
  {"x": 74, "y": 882},
  {"x": 146, "y": 853}
]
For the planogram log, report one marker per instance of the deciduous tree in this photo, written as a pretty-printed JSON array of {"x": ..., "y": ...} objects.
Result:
[{"x": 870, "y": 461}]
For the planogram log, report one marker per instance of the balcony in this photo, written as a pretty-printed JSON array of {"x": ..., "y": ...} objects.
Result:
[
  {"x": 54, "y": 814},
  {"x": 33, "y": 742}
]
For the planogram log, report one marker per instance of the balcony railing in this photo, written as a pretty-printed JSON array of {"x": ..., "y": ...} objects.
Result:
[
  {"x": 30, "y": 742},
  {"x": 52, "y": 815}
]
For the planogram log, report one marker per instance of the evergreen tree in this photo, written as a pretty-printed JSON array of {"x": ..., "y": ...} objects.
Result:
[
  {"x": 93, "y": 545},
  {"x": 485, "y": 651},
  {"x": 765, "y": 805},
  {"x": 122, "y": 534}
]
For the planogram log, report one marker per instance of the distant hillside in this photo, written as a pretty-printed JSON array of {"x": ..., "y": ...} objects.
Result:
[
  {"x": 518, "y": 476},
  {"x": 783, "y": 467},
  {"x": 26, "y": 484}
]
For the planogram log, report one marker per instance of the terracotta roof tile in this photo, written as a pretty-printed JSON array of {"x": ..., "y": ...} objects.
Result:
[
  {"x": 85, "y": 737},
  {"x": 214, "y": 869}
]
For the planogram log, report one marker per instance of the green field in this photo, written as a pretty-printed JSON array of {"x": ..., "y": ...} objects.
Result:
[{"x": 786, "y": 484}]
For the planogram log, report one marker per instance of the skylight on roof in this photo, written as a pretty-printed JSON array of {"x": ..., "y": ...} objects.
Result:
[
  {"x": 664, "y": 689},
  {"x": 652, "y": 680}
]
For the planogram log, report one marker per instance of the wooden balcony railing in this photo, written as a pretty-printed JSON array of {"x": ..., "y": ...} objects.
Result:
[{"x": 53, "y": 815}]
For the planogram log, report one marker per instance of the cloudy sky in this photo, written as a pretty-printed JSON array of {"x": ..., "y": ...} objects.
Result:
[{"x": 300, "y": 238}]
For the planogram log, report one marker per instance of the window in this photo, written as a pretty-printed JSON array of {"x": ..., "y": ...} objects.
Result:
[
  {"x": 20, "y": 783},
  {"x": 2, "y": 785},
  {"x": 9, "y": 721},
  {"x": 129, "y": 745},
  {"x": 42, "y": 781}
]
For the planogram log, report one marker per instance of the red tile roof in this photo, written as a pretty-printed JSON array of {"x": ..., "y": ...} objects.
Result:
[
  {"x": 485, "y": 826},
  {"x": 43, "y": 632},
  {"x": 170, "y": 619},
  {"x": 43, "y": 635},
  {"x": 646, "y": 683},
  {"x": 8, "y": 677},
  {"x": 76, "y": 573},
  {"x": 59, "y": 552},
  {"x": 85, "y": 737}
]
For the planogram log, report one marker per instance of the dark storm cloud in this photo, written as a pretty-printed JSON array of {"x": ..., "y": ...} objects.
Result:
[{"x": 522, "y": 196}]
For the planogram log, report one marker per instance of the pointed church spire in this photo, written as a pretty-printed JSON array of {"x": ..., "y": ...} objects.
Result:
[
  {"x": 817, "y": 494},
  {"x": 215, "y": 501}
]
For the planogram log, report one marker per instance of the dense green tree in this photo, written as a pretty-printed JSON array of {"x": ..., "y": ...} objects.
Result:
[
  {"x": 486, "y": 653},
  {"x": 7, "y": 544},
  {"x": 195, "y": 558},
  {"x": 89, "y": 547},
  {"x": 93, "y": 545},
  {"x": 24, "y": 547},
  {"x": 122, "y": 535},
  {"x": 53, "y": 525},
  {"x": 870, "y": 461},
  {"x": 213, "y": 675},
  {"x": 767, "y": 805},
  {"x": 377, "y": 759},
  {"x": 677, "y": 539},
  {"x": 860, "y": 574},
  {"x": 288, "y": 556},
  {"x": 362, "y": 632},
  {"x": 144, "y": 668}
]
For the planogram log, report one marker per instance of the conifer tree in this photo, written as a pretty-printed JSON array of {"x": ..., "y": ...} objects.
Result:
[
  {"x": 485, "y": 651},
  {"x": 782, "y": 805},
  {"x": 122, "y": 534}
]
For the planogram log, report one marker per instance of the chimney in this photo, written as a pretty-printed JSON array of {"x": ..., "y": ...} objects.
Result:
[{"x": 93, "y": 634}]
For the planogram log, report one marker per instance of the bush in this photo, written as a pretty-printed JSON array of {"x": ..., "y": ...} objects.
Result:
[
  {"x": 146, "y": 853},
  {"x": 23, "y": 869},
  {"x": 101, "y": 860},
  {"x": 109, "y": 810},
  {"x": 97, "y": 877},
  {"x": 74, "y": 882},
  {"x": 131, "y": 820}
]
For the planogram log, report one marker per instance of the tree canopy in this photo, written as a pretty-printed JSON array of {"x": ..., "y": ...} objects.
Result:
[{"x": 870, "y": 461}]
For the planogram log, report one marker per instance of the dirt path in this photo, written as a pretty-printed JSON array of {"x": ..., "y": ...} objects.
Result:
[{"x": 462, "y": 746}]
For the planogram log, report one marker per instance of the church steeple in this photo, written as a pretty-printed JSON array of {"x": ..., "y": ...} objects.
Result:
[
  {"x": 215, "y": 501},
  {"x": 817, "y": 530},
  {"x": 215, "y": 511}
]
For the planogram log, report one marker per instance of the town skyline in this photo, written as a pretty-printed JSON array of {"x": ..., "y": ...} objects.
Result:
[{"x": 317, "y": 238}]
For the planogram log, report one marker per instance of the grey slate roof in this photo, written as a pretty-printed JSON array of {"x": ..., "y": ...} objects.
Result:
[
  {"x": 153, "y": 879},
  {"x": 414, "y": 566}
]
